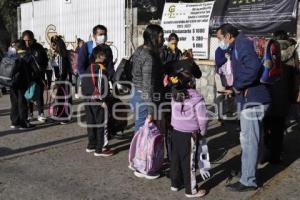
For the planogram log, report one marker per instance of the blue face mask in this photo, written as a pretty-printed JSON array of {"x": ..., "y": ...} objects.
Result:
[{"x": 223, "y": 45}]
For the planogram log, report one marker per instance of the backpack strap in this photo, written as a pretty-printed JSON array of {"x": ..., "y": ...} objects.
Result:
[
  {"x": 96, "y": 90},
  {"x": 100, "y": 75},
  {"x": 89, "y": 46}
]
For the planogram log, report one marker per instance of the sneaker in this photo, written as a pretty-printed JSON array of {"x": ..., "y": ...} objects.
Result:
[
  {"x": 13, "y": 126},
  {"x": 30, "y": 117},
  {"x": 41, "y": 118},
  {"x": 105, "y": 153},
  {"x": 200, "y": 193},
  {"x": 65, "y": 122},
  {"x": 174, "y": 189},
  {"x": 131, "y": 168},
  {"x": 139, "y": 174},
  {"x": 149, "y": 177},
  {"x": 89, "y": 150},
  {"x": 152, "y": 177},
  {"x": 27, "y": 127},
  {"x": 76, "y": 96},
  {"x": 239, "y": 187}
]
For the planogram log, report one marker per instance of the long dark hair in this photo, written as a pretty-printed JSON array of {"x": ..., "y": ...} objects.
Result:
[
  {"x": 184, "y": 81},
  {"x": 61, "y": 46},
  {"x": 150, "y": 36}
]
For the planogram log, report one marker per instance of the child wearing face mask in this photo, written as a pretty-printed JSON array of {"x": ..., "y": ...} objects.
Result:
[
  {"x": 171, "y": 52},
  {"x": 95, "y": 89}
]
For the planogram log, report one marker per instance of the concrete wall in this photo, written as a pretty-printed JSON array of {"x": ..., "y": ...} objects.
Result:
[{"x": 206, "y": 84}]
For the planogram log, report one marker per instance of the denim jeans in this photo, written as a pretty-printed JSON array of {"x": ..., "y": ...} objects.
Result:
[
  {"x": 140, "y": 109},
  {"x": 251, "y": 140}
]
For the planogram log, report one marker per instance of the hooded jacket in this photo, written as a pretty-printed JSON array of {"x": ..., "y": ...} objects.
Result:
[
  {"x": 190, "y": 115},
  {"x": 247, "y": 70},
  {"x": 85, "y": 54},
  {"x": 40, "y": 55}
]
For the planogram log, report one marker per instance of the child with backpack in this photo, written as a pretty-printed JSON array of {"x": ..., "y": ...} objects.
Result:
[
  {"x": 20, "y": 82},
  {"x": 95, "y": 90},
  {"x": 189, "y": 121}
]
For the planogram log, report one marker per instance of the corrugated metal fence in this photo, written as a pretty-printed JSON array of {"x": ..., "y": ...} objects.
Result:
[{"x": 75, "y": 19}]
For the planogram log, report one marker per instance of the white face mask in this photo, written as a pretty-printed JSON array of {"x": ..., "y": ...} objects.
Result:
[
  {"x": 223, "y": 45},
  {"x": 101, "y": 39}
]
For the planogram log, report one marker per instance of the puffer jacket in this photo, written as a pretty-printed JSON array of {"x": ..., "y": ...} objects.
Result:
[{"x": 190, "y": 115}]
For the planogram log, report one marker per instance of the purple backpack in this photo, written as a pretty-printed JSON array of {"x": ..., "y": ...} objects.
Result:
[{"x": 146, "y": 153}]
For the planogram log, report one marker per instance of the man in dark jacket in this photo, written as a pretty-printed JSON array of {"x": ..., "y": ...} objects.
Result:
[
  {"x": 85, "y": 52},
  {"x": 40, "y": 57},
  {"x": 252, "y": 98}
]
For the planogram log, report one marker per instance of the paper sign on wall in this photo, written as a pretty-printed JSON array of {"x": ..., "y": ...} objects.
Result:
[{"x": 190, "y": 21}]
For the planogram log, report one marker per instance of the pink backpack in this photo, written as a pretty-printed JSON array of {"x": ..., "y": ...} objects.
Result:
[
  {"x": 56, "y": 109},
  {"x": 146, "y": 153},
  {"x": 226, "y": 70}
]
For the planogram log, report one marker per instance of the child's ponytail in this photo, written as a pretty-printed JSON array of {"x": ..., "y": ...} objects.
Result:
[{"x": 181, "y": 83}]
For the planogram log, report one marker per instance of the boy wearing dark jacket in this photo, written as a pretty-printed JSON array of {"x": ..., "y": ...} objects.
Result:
[
  {"x": 21, "y": 80},
  {"x": 95, "y": 89}
]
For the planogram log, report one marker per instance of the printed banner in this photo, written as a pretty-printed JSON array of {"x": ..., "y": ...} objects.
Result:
[{"x": 256, "y": 16}]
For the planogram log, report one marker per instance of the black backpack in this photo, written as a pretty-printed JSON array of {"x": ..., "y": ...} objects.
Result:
[
  {"x": 8, "y": 69},
  {"x": 123, "y": 72},
  {"x": 123, "y": 76}
]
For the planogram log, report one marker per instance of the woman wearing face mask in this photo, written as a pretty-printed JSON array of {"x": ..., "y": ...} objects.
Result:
[
  {"x": 64, "y": 77},
  {"x": 171, "y": 52}
]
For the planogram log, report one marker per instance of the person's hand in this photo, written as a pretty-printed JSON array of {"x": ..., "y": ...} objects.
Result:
[
  {"x": 166, "y": 80},
  {"x": 227, "y": 56},
  {"x": 195, "y": 136},
  {"x": 236, "y": 91},
  {"x": 150, "y": 118},
  {"x": 298, "y": 99},
  {"x": 228, "y": 92},
  {"x": 204, "y": 174}
]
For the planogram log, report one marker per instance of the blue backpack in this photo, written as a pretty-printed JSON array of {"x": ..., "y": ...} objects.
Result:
[{"x": 89, "y": 46}]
